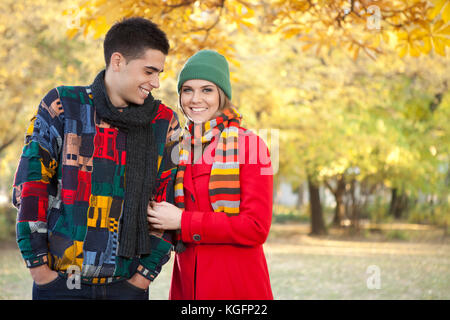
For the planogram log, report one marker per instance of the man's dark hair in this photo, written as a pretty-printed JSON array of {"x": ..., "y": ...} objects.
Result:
[{"x": 132, "y": 37}]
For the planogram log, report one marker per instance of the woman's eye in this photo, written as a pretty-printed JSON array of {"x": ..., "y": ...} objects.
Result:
[
  {"x": 186, "y": 89},
  {"x": 207, "y": 90}
]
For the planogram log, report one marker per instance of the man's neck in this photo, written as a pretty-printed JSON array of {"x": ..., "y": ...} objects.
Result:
[{"x": 115, "y": 99}]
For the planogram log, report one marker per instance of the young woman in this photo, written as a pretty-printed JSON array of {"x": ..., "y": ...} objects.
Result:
[{"x": 223, "y": 193}]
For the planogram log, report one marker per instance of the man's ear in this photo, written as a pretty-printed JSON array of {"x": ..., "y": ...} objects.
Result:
[{"x": 117, "y": 61}]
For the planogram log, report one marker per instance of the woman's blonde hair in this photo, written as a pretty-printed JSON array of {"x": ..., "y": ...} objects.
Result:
[{"x": 224, "y": 102}]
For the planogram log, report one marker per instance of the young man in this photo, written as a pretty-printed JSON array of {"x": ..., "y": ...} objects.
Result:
[{"x": 93, "y": 158}]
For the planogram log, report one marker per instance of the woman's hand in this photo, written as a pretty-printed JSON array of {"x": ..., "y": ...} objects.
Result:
[{"x": 163, "y": 215}]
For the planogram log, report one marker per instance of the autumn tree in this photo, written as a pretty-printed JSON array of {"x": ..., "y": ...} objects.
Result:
[
  {"x": 35, "y": 56},
  {"x": 327, "y": 74},
  {"x": 354, "y": 126},
  {"x": 412, "y": 27}
]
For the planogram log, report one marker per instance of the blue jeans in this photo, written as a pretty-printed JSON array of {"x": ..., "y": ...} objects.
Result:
[{"x": 59, "y": 290}]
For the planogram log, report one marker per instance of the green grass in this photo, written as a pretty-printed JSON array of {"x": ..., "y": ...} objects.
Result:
[
  {"x": 342, "y": 274},
  {"x": 14, "y": 277},
  {"x": 285, "y": 214},
  {"x": 16, "y": 284},
  {"x": 414, "y": 263}
]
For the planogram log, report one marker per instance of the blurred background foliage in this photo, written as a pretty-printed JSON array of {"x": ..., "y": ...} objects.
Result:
[{"x": 353, "y": 95}]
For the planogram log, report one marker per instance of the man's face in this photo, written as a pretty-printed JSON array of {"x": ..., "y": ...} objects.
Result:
[{"x": 137, "y": 77}]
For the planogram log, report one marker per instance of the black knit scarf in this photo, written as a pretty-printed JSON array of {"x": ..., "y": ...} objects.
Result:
[{"x": 141, "y": 166}]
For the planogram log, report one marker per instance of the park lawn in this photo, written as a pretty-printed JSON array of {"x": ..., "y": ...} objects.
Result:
[
  {"x": 339, "y": 267},
  {"x": 417, "y": 266}
]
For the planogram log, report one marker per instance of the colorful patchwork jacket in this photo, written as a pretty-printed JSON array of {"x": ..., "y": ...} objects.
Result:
[{"x": 69, "y": 189}]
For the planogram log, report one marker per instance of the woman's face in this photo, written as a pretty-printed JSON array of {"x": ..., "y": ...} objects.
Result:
[{"x": 199, "y": 100}]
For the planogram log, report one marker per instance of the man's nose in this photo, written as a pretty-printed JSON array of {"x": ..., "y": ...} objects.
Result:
[{"x": 155, "y": 83}]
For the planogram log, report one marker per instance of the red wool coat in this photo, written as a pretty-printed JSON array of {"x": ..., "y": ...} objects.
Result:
[{"x": 224, "y": 256}]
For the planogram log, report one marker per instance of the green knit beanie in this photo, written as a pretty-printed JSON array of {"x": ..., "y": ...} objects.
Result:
[{"x": 207, "y": 65}]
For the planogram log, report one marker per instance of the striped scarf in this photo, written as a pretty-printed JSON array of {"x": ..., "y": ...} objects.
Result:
[{"x": 224, "y": 185}]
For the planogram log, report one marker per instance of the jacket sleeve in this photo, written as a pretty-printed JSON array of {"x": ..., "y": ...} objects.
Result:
[
  {"x": 251, "y": 226},
  {"x": 34, "y": 179},
  {"x": 161, "y": 244}
]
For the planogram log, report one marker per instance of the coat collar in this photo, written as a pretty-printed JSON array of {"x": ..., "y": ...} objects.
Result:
[
  {"x": 199, "y": 169},
  {"x": 187, "y": 180}
]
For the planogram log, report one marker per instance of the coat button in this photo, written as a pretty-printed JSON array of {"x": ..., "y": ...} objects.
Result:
[{"x": 197, "y": 237}]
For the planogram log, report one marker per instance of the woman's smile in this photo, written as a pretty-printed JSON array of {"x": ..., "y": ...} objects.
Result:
[{"x": 198, "y": 109}]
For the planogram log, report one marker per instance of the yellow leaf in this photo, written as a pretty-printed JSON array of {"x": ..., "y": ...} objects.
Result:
[
  {"x": 441, "y": 29},
  {"x": 88, "y": 25},
  {"x": 307, "y": 46},
  {"x": 418, "y": 33},
  {"x": 100, "y": 27},
  {"x": 438, "y": 25},
  {"x": 234, "y": 61},
  {"x": 445, "y": 31},
  {"x": 438, "y": 4},
  {"x": 247, "y": 13},
  {"x": 72, "y": 33},
  {"x": 446, "y": 13},
  {"x": 355, "y": 54},
  {"x": 426, "y": 48},
  {"x": 376, "y": 41},
  {"x": 249, "y": 25},
  {"x": 403, "y": 50},
  {"x": 439, "y": 45},
  {"x": 414, "y": 50},
  {"x": 292, "y": 32},
  {"x": 402, "y": 35}
]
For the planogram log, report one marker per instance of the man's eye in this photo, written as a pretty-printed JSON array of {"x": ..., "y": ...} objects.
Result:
[{"x": 149, "y": 72}]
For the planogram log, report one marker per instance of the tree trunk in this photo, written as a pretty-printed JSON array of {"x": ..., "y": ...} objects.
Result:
[
  {"x": 402, "y": 206},
  {"x": 356, "y": 210},
  {"x": 393, "y": 201},
  {"x": 317, "y": 221},
  {"x": 277, "y": 194},
  {"x": 300, "y": 196},
  {"x": 339, "y": 211},
  {"x": 399, "y": 203}
]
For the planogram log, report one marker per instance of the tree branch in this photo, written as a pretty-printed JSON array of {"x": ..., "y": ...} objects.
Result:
[{"x": 8, "y": 142}]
